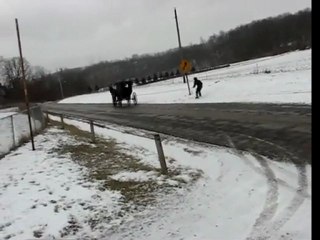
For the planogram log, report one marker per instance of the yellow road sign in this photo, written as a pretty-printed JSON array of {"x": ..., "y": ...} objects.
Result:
[{"x": 185, "y": 66}]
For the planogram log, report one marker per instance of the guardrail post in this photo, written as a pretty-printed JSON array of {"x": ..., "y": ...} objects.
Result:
[
  {"x": 92, "y": 132},
  {"x": 13, "y": 135},
  {"x": 62, "y": 123},
  {"x": 164, "y": 169},
  {"x": 46, "y": 119}
]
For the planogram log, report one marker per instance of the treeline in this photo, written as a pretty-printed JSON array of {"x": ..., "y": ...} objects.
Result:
[{"x": 260, "y": 38}]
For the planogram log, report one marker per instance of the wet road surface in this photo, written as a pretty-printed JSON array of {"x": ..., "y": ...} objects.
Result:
[{"x": 279, "y": 131}]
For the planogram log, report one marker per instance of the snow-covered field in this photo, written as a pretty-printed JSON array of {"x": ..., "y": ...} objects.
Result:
[
  {"x": 289, "y": 81},
  {"x": 46, "y": 194}
]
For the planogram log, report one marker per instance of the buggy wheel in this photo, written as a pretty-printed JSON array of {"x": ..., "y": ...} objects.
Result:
[{"x": 134, "y": 98}]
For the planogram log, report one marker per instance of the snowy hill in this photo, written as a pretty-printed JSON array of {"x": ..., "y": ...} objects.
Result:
[{"x": 284, "y": 78}]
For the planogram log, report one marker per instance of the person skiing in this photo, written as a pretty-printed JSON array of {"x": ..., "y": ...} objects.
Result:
[{"x": 197, "y": 83}]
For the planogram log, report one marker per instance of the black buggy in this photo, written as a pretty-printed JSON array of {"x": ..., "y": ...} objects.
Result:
[{"x": 122, "y": 91}]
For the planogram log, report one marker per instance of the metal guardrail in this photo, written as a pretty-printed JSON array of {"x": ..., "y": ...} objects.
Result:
[{"x": 92, "y": 123}]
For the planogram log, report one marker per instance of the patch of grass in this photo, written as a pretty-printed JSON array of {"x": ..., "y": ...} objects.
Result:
[
  {"x": 72, "y": 228},
  {"x": 106, "y": 158}
]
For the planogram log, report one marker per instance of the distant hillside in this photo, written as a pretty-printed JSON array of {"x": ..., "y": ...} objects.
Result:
[{"x": 260, "y": 38}]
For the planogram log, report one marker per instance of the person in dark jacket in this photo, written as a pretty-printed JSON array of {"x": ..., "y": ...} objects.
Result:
[{"x": 197, "y": 83}]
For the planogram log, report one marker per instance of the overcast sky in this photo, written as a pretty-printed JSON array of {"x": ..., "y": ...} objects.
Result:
[{"x": 75, "y": 33}]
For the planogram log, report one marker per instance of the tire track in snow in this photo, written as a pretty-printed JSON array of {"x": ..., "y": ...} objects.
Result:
[
  {"x": 269, "y": 230},
  {"x": 295, "y": 203},
  {"x": 271, "y": 201},
  {"x": 290, "y": 156},
  {"x": 270, "y": 204}
]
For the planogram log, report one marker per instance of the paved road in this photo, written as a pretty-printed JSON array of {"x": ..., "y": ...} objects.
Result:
[{"x": 281, "y": 132}]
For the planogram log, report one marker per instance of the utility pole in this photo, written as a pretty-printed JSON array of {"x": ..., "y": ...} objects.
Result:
[
  {"x": 24, "y": 84},
  {"x": 59, "y": 79},
  {"x": 179, "y": 39},
  {"x": 185, "y": 79}
]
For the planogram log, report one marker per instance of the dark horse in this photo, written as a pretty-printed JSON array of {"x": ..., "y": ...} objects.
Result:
[{"x": 122, "y": 91}]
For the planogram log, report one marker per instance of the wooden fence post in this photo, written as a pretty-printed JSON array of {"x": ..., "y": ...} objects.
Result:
[
  {"x": 13, "y": 135},
  {"x": 164, "y": 169},
  {"x": 47, "y": 119},
  {"x": 92, "y": 132},
  {"x": 62, "y": 123}
]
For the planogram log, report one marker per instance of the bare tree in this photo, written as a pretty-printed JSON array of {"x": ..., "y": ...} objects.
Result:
[
  {"x": 12, "y": 70},
  {"x": 2, "y": 77}
]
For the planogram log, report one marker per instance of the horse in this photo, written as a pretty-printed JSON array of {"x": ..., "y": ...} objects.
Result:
[
  {"x": 121, "y": 92},
  {"x": 114, "y": 95}
]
